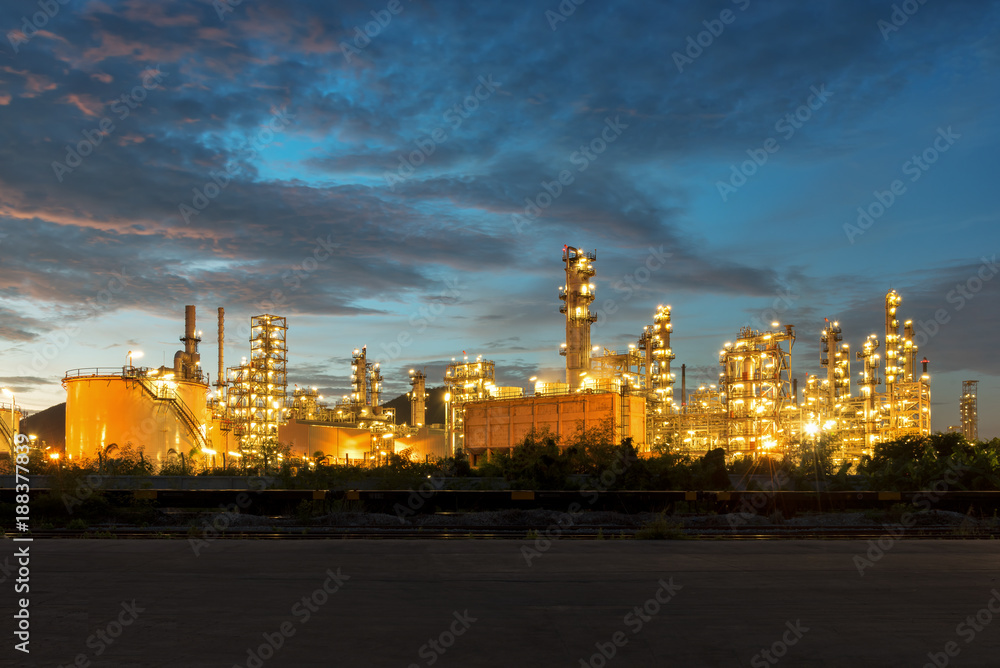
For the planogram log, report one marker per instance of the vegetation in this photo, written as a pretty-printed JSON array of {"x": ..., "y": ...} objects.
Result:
[{"x": 591, "y": 460}]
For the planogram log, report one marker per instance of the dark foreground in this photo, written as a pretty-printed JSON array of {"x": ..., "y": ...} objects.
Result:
[{"x": 480, "y": 603}]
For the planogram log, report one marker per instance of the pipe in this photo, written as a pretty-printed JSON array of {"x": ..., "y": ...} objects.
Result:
[
  {"x": 684, "y": 387},
  {"x": 795, "y": 391}
]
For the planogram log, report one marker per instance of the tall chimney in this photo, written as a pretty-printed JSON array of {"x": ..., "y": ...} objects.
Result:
[
  {"x": 795, "y": 391},
  {"x": 190, "y": 341},
  {"x": 220, "y": 379},
  {"x": 684, "y": 391}
]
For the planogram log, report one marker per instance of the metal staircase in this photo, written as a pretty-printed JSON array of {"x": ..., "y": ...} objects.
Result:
[{"x": 170, "y": 396}]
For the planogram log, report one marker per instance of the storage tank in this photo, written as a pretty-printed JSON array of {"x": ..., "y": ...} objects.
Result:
[{"x": 144, "y": 406}]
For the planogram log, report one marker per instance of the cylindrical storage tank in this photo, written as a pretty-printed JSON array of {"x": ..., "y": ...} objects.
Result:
[
  {"x": 104, "y": 408},
  {"x": 5, "y": 419}
]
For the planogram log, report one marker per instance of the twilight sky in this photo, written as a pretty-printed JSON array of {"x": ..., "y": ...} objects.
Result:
[{"x": 388, "y": 174}]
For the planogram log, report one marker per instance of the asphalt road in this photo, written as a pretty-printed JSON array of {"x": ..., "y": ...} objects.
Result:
[{"x": 259, "y": 604}]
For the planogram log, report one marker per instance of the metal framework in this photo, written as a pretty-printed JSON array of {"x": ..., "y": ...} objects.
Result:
[
  {"x": 658, "y": 382},
  {"x": 465, "y": 382},
  {"x": 256, "y": 395},
  {"x": 757, "y": 385}
]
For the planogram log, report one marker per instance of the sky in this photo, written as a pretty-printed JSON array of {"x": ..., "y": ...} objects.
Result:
[{"x": 404, "y": 175}]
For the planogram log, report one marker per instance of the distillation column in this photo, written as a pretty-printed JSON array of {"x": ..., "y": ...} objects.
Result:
[
  {"x": 869, "y": 382},
  {"x": 220, "y": 379},
  {"x": 893, "y": 360},
  {"x": 659, "y": 384},
  {"x": 578, "y": 294},
  {"x": 359, "y": 377},
  {"x": 970, "y": 410},
  {"x": 418, "y": 398}
]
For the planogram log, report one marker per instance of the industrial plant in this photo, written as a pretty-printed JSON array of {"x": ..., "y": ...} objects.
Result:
[{"x": 754, "y": 409}]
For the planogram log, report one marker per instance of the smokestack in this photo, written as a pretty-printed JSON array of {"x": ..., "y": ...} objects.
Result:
[
  {"x": 795, "y": 391},
  {"x": 925, "y": 362},
  {"x": 186, "y": 361},
  {"x": 220, "y": 380},
  {"x": 190, "y": 342},
  {"x": 684, "y": 388}
]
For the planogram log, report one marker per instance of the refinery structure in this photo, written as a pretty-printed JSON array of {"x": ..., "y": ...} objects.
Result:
[{"x": 754, "y": 408}]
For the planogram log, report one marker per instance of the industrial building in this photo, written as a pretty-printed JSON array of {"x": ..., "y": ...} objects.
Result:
[{"x": 754, "y": 409}]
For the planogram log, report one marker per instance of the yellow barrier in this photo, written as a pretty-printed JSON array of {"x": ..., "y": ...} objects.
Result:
[{"x": 522, "y": 496}]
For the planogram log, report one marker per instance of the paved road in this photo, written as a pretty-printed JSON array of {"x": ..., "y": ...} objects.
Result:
[{"x": 479, "y": 603}]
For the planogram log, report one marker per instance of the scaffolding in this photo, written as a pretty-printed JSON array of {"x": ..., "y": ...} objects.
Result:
[
  {"x": 658, "y": 382},
  {"x": 970, "y": 410},
  {"x": 257, "y": 388},
  {"x": 465, "y": 382},
  {"x": 757, "y": 386}
]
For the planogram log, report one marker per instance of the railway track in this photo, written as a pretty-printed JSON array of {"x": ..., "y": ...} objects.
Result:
[{"x": 522, "y": 533}]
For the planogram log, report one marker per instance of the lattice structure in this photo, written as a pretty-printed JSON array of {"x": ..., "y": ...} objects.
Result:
[
  {"x": 658, "y": 382},
  {"x": 256, "y": 397},
  {"x": 466, "y": 382},
  {"x": 757, "y": 384}
]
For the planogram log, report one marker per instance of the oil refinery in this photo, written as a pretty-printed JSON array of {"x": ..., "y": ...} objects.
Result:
[{"x": 754, "y": 408}]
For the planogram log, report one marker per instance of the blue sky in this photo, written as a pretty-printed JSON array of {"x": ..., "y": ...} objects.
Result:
[{"x": 305, "y": 122}]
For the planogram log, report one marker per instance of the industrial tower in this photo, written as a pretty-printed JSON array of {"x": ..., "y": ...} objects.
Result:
[
  {"x": 969, "y": 408},
  {"x": 257, "y": 392},
  {"x": 418, "y": 398},
  {"x": 578, "y": 294}
]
